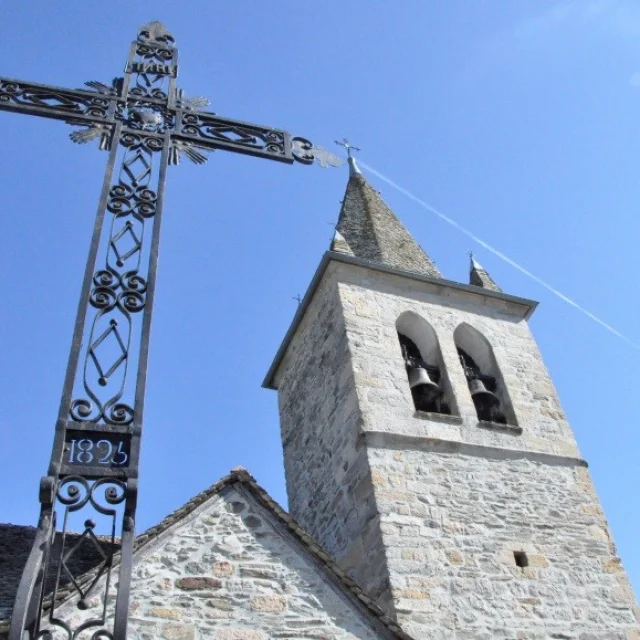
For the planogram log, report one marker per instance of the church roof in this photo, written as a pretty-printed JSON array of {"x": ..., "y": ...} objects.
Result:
[
  {"x": 479, "y": 277},
  {"x": 15, "y": 543},
  {"x": 368, "y": 229}
]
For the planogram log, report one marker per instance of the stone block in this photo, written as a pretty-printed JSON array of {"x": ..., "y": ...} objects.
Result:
[
  {"x": 378, "y": 478},
  {"x": 611, "y": 565},
  {"x": 166, "y": 613},
  {"x": 193, "y": 583},
  {"x": 454, "y": 556},
  {"x": 598, "y": 533},
  {"x": 269, "y": 604},
  {"x": 262, "y": 571},
  {"x": 223, "y": 603},
  {"x": 536, "y": 560},
  {"x": 592, "y": 510},
  {"x": 223, "y": 569},
  {"x": 411, "y": 594},
  {"x": 238, "y": 633},
  {"x": 622, "y": 594},
  {"x": 178, "y": 632}
]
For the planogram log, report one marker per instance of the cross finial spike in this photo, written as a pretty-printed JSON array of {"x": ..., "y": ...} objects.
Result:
[
  {"x": 353, "y": 167},
  {"x": 474, "y": 264},
  {"x": 347, "y": 145}
]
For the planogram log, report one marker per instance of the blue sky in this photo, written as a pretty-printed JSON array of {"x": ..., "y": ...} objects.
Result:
[{"x": 520, "y": 120}]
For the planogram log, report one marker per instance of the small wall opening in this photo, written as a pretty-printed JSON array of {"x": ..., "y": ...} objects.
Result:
[
  {"x": 521, "y": 559},
  {"x": 428, "y": 381},
  {"x": 486, "y": 385}
]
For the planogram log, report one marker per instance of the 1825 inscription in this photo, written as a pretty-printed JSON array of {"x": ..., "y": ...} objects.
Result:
[{"x": 96, "y": 449}]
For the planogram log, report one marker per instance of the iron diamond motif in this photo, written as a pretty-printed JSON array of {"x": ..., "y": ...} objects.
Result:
[
  {"x": 233, "y": 134},
  {"x": 125, "y": 243},
  {"x": 137, "y": 168},
  {"x": 114, "y": 343},
  {"x": 87, "y": 537}
]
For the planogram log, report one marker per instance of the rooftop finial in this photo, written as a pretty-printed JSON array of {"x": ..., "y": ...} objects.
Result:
[
  {"x": 155, "y": 33},
  {"x": 353, "y": 167},
  {"x": 478, "y": 275}
]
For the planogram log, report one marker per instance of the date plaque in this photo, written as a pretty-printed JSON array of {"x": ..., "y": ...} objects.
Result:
[{"x": 96, "y": 449}]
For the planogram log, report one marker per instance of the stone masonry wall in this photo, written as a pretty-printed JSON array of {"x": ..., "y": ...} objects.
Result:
[
  {"x": 448, "y": 499},
  {"x": 327, "y": 475},
  {"x": 457, "y": 497},
  {"x": 450, "y": 525},
  {"x": 373, "y": 301},
  {"x": 227, "y": 573}
]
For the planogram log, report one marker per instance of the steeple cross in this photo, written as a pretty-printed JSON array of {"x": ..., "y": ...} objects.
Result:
[
  {"x": 347, "y": 145},
  {"x": 146, "y": 123}
]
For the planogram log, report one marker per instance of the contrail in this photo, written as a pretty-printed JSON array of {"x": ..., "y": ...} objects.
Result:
[{"x": 498, "y": 253}]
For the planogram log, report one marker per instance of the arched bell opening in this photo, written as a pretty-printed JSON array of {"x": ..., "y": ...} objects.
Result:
[
  {"x": 483, "y": 390},
  {"x": 487, "y": 388},
  {"x": 428, "y": 381}
]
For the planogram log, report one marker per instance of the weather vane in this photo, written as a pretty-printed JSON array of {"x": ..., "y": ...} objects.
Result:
[{"x": 146, "y": 123}]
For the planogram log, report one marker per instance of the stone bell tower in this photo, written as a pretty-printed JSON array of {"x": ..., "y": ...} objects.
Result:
[{"x": 426, "y": 449}]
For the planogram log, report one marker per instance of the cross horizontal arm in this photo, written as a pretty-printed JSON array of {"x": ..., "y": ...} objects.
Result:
[
  {"x": 209, "y": 131},
  {"x": 47, "y": 101}
]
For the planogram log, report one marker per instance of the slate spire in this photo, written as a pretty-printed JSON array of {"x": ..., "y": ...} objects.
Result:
[
  {"x": 368, "y": 229},
  {"x": 479, "y": 277}
]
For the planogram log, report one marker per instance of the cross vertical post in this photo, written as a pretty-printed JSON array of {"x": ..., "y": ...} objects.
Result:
[{"x": 146, "y": 124}]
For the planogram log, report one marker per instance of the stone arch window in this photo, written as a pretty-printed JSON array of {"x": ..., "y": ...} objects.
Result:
[
  {"x": 488, "y": 391},
  {"x": 427, "y": 376}
]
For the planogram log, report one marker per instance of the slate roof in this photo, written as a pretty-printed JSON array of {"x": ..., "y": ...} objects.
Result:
[
  {"x": 15, "y": 544},
  {"x": 479, "y": 277},
  {"x": 367, "y": 228}
]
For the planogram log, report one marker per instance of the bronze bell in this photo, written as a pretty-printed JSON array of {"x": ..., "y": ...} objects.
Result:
[
  {"x": 419, "y": 380},
  {"x": 480, "y": 393}
]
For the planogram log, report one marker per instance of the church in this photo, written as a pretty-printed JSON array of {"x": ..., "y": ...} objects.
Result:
[{"x": 435, "y": 487}]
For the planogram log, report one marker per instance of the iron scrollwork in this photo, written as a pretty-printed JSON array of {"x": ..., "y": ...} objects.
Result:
[
  {"x": 305, "y": 152},
  {"x": 215, "y": 132},
  {"x": 53, "y": 102},
  {"x": 145, "y": 123},
  {"x": 94, "y": 463},
  {"x": 119, "y": 286},
  {"x": 207, "y": 130},
  {"x": 102, "y": 497}
]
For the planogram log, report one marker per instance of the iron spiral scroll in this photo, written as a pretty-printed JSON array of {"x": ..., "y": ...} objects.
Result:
[
  {"x": 145, "y": 123},
  {"x": 119, "y": 286}
]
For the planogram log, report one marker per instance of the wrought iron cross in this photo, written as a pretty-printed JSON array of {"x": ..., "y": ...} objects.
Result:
[{"x": 145, "y": 123}]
